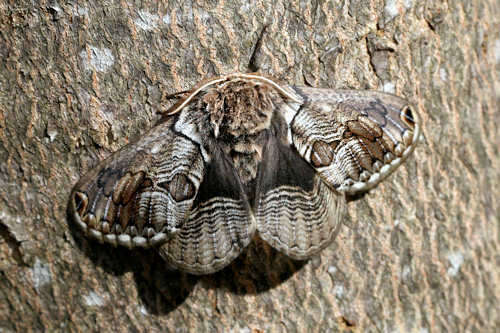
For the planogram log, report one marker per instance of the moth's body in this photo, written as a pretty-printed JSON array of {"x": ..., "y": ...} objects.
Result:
[
  {"x": 240, "y": 154},
  {"x": 238, "y": 116}
]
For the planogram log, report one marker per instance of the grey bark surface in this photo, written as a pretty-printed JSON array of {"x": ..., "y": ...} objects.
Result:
[{"x": 417, "y": 254}]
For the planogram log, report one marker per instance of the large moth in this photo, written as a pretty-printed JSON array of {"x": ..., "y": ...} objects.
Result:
[{"x": 241, "y": 155}]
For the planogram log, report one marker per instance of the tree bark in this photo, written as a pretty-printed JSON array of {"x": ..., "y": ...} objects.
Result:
[{"x": 417, "y": 254}]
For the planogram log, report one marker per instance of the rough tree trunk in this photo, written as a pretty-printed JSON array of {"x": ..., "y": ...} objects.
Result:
[{"x": 418, "y": 253}]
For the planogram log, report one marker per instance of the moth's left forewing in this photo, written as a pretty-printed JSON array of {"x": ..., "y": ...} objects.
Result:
[
  {"x": 140, "y": 195},
  {"x": 354, "y": 139}
]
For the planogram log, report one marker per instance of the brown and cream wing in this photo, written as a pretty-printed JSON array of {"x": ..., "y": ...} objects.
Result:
[
  {"x": 354, "y": 139},
  {"x": 296, "y": 212},
  {"x": 219, "y": 226},
  {"x": 141, "y": 195}
]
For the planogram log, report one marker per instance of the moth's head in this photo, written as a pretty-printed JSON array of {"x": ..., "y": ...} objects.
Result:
[
  {"x": 237, "y": 104},
  {"x": 239, "y": 107}
]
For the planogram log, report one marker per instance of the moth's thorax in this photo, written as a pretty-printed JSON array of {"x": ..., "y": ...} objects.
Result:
[
  {"x": 239, "y": 112},
  {"x": 239, "y": 108}
]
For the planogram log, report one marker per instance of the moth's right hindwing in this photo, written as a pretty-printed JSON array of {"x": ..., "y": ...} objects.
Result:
[
  {"x": 141, "y": 195},
  {"x": 296, "y": 212}
]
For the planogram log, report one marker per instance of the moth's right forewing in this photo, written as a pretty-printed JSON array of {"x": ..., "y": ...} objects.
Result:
[
  {"x": 354, "y": 139},
  {"x": 140, "y": 195}
]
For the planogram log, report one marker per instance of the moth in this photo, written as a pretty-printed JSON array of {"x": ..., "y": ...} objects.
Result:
[{"x": 240, "y": 155}]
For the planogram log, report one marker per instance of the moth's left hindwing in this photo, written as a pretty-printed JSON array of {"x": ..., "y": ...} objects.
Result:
[
  {"x": 220, "y": 224},
  {"x": 141, "y": 195}
]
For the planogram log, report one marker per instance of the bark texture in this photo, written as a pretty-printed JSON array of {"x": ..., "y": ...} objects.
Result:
[{"x": 417, "y": 254}]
